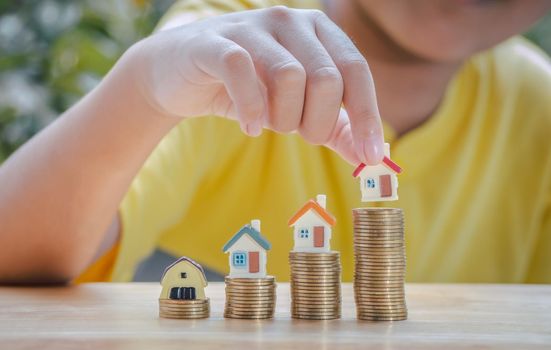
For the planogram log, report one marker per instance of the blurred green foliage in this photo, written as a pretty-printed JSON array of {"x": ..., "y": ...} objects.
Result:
[{"x": 52, "y": 52}]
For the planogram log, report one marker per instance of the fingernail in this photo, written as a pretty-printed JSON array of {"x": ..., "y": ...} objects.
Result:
[
  {"x": 254, "y": 129},
  {"x": 373, "y": 152}
]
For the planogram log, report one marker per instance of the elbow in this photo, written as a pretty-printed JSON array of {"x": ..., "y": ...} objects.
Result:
[{"x": 42, "y": 270}]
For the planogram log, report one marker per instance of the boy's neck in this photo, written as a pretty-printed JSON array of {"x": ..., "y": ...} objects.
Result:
[{"x": 409, "y": 89}]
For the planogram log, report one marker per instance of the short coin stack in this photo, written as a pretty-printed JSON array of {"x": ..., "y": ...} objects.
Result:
[
  {"x": 184, "y": 309},
  {"x": 250, "y": 298},
  {"x": 380, "y": 264},
  {"x": 315, "y": 285}
]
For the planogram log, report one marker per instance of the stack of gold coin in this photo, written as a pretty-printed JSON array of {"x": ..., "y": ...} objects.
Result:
[
  {"x": 185, "y": 309},
  {"x": 380, "y": 264},
  {"x": 252, "y": 298},
  {"x": 315, "y": 285}
]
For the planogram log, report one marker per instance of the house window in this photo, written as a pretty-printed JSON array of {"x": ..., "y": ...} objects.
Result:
[
  {"x": 370, "y": 182},
  {"x": 183, "y": 274},
  {"x": 304, "y": 233},
  {"x": 239, "y": 259}
]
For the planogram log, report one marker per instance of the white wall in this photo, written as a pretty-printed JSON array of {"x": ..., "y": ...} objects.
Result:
[
  {"x": 309, "y": 220},
  {"x": 374, "y": 194},
  {"x": 247, "y": 244}
]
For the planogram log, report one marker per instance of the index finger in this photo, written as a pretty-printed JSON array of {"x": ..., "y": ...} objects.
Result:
[{"x": 359, "y": 99}]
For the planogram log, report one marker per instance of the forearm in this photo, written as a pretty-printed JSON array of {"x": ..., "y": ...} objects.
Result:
[{"x": 61, "y": 190}]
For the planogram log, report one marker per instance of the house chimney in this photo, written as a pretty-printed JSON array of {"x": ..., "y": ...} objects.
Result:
[
  {"x": 256, "y": 224},
  {"x": 320, "y": 198},
  {"x": 387, "y": 150}
]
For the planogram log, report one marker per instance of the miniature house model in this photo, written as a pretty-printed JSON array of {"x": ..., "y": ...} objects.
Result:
[
  {"x": 312, "y": 226},
  {"x": 379, "y": 182},
  {"x": 247, "y": 252},
  {"x": 184, "y": 279}
]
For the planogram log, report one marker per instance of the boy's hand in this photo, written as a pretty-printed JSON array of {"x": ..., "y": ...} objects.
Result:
[{"x": 283, "y": 69}]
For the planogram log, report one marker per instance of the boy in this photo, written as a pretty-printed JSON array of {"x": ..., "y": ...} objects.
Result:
[{"x": 471, "y": 131}]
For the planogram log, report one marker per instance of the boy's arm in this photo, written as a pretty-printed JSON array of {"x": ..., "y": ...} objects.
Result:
[{"x": 61, "y": 190}]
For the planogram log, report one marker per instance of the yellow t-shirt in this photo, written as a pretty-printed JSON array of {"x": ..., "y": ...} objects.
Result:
[{"x": 476, "y": 190}]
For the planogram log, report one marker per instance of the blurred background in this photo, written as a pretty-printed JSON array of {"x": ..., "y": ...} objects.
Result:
[{"x": 54, "y": 51}]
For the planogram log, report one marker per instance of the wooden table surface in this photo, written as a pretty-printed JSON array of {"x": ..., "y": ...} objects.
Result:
[{"x": 125, "y": 316}]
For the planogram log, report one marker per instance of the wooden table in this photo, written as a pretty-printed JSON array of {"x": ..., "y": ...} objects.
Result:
[{"x": 125, "y": 316}]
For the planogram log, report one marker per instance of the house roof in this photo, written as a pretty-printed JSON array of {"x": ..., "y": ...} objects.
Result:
[
  {"x": 254, "y": 234},
  {"x": 312, "y": 204},
  {"x": 192, "y": 262},
  {"x": 389, "y": 163}
]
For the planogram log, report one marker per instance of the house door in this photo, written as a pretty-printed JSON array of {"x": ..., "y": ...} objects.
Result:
[
  {"x": 183, "y": 293},
  {"x": 254, "y": 262},
  {"x": 385, "y": 186},
  {"x": 319, "y": 236}
]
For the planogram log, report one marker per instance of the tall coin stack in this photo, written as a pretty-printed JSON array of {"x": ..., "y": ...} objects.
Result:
[
  {"x": 315, "y": 285},
  {"x": 380, "y": 264},
  {"x": 250, "y": 298},
  {"x": 184, "y": 309}
]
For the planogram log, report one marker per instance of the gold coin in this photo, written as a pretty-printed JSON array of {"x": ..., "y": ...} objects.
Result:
[
  {"x": 298, "y": 282},
  {"x": 359, "y": 289},
  {"x": 382, "y": 314},
  {"x": 383, "y": 304},
  {"x": 248, "y": 313},
  {"x": 184, "y": 306},
  {"x": 380, "y": 263},
  {"x": 302, "y": 301},
  {"x": 250, "y": 290},
  {"x": 316, "y": 301},
  {"x": 244, "y": 308},
  {"x": 378, "y": 222},
  {"x": 164, "y": 309},
  {"x": 184, "y": 317},
  {"x": 248, "y": 317},
  {"x": 381, "y": 267},
  {"x": 315, "y": 268},
  {"x": 307, "y": 277},
  {"x": 267, "y": 279},
  {"x": 314, "y": 263},
  {"x": 369, "y": 277},
  {"x": 186, "y": 302},
  {"x": 313, "y": 298},
  {"x": 315, "y": 312},
  {"x": 249, "y": 303},
  {"x": 361, "y": 294},
  {"x": 380, "y": 245},
  {"x": 314, "y": 255},
  {"x": 367, "y": 258},
  {"x": 374, "y": 285},
  {"x": 392, "y": 270},
  {"x": 381, "y": 318},
  {"x": 249, "y": 299},
  {"x": 317, "y": 317},
  {"x": 370, "y": 309},
  {"x": 320, "y": 272},
  {"x": 259, "y": 311},
  {"x": 391, "y": 250},
  {"x": 302, "y": 285},
  {"x": 381, "y": 254},
  {"x": 251, "y": 286},
  {"x": 183, "y": 312},
  {"x": 369, "y": 234}
]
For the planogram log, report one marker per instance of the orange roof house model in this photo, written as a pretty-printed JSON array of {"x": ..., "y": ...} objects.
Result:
[{"x": 312, "y": 226}]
